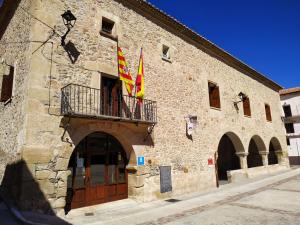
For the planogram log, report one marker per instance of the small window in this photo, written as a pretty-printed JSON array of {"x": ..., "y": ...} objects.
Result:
[
  {"x": 288, "y": 141},
  {"x": 107, "y": 26},
  {"x": 268, "y": 112},
  {"x": 166, "y": 52},
  {"x": 214, "y": 95},
  {"x": 289, "y": 127},
  {"x": 246, "y": 106},
  {"x": 287, "y": 110},
  {"x": 7, "y": 85}
]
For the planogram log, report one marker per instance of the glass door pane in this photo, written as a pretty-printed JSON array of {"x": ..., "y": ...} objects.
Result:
[
  {"x": 121, "y": 169},
  {"x": 112, "y": 166},
  {"x": 97, "y": 170}
]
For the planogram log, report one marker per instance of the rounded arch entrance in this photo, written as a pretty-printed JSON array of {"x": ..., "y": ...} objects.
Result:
[
  {"x": 98, "y": 171},
  {"x": 256, "y": 146},
  {"x": 274, "y": 147},
  {"x": 227, "y": 159}
]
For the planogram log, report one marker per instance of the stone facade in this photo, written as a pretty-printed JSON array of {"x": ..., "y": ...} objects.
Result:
[
  {"x": 14, "y": 51},
  {"x": 179, "y": 85}
]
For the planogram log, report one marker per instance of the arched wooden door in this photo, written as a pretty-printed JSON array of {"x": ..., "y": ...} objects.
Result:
[{"x": 99, "y": 171}]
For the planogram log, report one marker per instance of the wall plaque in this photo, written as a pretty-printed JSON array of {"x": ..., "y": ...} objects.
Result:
[{"x": 165, "y": 179}]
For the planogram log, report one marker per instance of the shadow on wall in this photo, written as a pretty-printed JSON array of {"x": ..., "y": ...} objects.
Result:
[{"x": 20, "y": 189}]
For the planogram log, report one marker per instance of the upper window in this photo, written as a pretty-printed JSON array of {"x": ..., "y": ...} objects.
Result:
[
  {"x": 166, "y": 52},
  {"x": 268, "y": 112},
  {"x": 7, "y": 85},
  {"x": 289, "y": 128},
  {"x": 287, "y": 110},
  {"x": 288, "y": 141},
  {"x": 246, "y": 106},
  {"x": 107, "y": 26},
  {"x": 214, "y": 95}
]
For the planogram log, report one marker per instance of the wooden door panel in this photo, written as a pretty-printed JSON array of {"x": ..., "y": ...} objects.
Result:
[{"x": 122, "y": 189}]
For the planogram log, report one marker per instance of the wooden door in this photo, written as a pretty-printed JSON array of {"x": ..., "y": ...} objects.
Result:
[
  {"x": 99, "y": 172},
  {"x": 111, "y": 92}
]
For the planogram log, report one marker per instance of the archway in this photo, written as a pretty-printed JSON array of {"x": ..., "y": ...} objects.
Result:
[
  {"x": 98, "y": 171},
  {"x": 227, "y": 159},
  {"x": 256, "y": 145},
  {"x": 273, "y": 147}
]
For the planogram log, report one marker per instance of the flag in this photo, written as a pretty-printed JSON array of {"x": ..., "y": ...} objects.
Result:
[
  {"x": 124, "y": 72},
  {"x": 140, "y": 87}
]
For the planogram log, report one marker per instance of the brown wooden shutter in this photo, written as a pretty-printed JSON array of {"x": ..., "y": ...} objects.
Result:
[
  {"x": 247, "y": 108},
  {"x": 268, "y": 113},
  {"x": 7, "y": 85},
  {"x": 214, "y": 95}
]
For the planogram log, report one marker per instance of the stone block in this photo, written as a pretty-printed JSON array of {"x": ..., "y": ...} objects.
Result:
[
  {"x": 61, "y": 192},
  {"x": 59, "y": 203},
  {"x": 28, "y": 172},
  {"x": 61, "y": 164},
  {"x": 63, "y": 175},
  {"x": 37, "y": 154},
  {"x": 136, "y": 181},
  {"x": 47, "y": 187},
  {"x": 45, "y": 174}
]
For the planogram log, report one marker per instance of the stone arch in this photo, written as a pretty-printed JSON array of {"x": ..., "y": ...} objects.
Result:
[
  {"x": 100, "y": 152},
  {"x": 123, "y": 134},
  {"x": 229, "y": 146},
  {"x": 274, "y": 147},
  {"x": 256, "y": 149}
]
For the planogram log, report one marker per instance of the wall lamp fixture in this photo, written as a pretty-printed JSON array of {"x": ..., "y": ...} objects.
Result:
[
  {"x": 242, "y": 98},
  {"x": 69, "y": 21}
]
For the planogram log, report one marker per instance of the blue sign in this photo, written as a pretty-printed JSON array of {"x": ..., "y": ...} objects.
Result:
[{"x": 141, "y": 161}]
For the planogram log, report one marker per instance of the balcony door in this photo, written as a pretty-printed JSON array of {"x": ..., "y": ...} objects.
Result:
[
  {"x": 99, "y": 172},
  {"x": 111, "y": 96}
]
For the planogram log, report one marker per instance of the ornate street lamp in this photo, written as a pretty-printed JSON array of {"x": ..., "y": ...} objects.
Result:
[{"x": 69, "y": 21}]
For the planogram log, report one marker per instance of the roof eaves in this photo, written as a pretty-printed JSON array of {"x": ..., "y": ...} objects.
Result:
[{"x": 218, "y": 52}]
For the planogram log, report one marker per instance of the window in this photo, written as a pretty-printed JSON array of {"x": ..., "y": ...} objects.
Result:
[
  {"x": 246, "y": 106},
  {"x": 7, "y": 85},
  {"x": 289, "y": 127},
  {"x": 214, "y": 95},
  {"x": 107, "y": 26},
  {"x": 288, "y": 141},
  {"x": 166, "y": 52},
  {"x": 287, "y": 110},
  {"x": 268, "y": 112}
]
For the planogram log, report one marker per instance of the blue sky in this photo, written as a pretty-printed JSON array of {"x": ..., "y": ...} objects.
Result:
[{"x": 265, "y": 34}]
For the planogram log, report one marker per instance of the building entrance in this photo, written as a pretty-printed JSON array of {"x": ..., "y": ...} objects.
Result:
[{"x": 99, "y": 175}]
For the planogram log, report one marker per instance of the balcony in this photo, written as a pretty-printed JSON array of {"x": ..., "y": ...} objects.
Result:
[
  {"x": 86, "y": 102},
  {"x": 291, "y": 119}
]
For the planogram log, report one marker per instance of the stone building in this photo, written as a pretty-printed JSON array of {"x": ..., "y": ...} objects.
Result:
[
  {"x": 73, "y": 136},
  {"x": 290, "y": 100}
]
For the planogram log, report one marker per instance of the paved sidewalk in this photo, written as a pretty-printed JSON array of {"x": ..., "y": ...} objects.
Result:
[
  {"x": 273, "y": 200},
  {"x": 269, "y": 200}
]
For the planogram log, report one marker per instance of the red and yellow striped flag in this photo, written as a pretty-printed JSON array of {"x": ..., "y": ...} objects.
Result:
[
  {"x": 140, "y": 87},
  {"x": 124, "y": 72}
]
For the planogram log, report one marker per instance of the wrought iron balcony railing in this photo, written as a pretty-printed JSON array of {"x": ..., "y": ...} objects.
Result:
[{"x": 82, "y": 101}]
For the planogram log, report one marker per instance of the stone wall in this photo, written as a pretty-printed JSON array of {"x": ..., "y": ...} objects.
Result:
[
  {"x": 15, "y": 51},
  {"x": 180, "y": 87}
]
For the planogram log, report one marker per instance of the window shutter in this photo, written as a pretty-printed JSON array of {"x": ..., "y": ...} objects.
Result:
[
  {"x": 246, "y": 106},
  {"x": 268, "y": 112},
  {"x": 214, "y": 96},
  {"x": 7, "y": 85}
]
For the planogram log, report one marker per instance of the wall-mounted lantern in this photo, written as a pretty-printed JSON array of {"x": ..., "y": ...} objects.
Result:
[
  {"x": 242, "y": 96},
  {"x": 69, "y": 21}
]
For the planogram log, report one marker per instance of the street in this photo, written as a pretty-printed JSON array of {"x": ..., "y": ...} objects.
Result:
[{"x": 270, "y": 200}]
